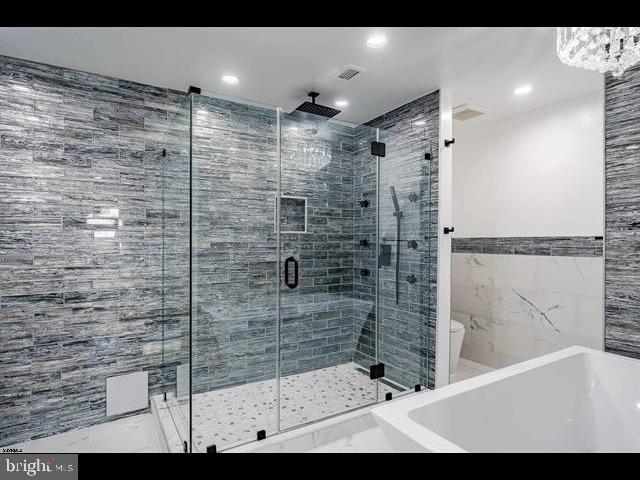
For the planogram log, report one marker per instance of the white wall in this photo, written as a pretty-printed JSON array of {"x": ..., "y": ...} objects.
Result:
[{"x": 539, "y": 174}]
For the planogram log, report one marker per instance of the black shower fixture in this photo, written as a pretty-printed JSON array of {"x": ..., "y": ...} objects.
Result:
[
  {"x": 364, "y": 203},
  {"x": 412, "y": 244},
  {"x": 364, "y": 243},
  {"x": 364, "y": 272},
  {"x": 398, "y": 214},
  {"x": 413, "y": 197},
  {"x": 411, "y": 279},
  {"x": 317, "y": 109}
]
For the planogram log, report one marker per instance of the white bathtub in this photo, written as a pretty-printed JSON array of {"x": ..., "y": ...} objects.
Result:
[{"x": 574, "y": 400}]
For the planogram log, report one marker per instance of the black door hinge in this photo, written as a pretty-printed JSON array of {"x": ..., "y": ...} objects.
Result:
[
  {"x": 378, "y": 149},
  {"x": 376, "y": 371}
]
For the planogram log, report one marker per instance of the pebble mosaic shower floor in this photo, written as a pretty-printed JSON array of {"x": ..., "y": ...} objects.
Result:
[{"x": 232, "y": 416}]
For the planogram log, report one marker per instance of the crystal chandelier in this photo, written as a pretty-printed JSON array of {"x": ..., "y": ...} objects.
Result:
[{"x": 605, "y": 49}]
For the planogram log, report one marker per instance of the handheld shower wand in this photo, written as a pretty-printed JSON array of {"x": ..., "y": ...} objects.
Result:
[{"x": 398, "y": 215}]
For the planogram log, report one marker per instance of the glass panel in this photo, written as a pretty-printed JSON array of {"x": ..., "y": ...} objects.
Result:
[
  {"x": 234, "y": 272},
  {"x": 407, "y": 229},
  {"x": 173, "y": 164},
  {"x": 319, "y": 374}
]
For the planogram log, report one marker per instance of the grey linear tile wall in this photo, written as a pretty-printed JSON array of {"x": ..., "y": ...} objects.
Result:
[
  {"x": 406, "y": 329},
  {"x": 317, "y": 317},
  {"x": 549, "y": 246},
  {"x": 80, "y": 242},
  {"x": 175, "y": 245},
  {"x": 235, "y": 174},
  {"x": 622, "y": 213},
  {"x": 94, "y": 244},
  {"x": 234, "y": 243}
]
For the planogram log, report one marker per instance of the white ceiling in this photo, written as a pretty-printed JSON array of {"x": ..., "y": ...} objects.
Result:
[{"x": 279, "y": 66}]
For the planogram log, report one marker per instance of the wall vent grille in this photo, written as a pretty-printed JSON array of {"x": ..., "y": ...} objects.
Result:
[{"x": 467, "y": 111}]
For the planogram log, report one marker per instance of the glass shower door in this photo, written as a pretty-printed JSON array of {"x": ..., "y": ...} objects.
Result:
[
  {"x": 407, "y": 228},
  {"x": 319, "y": 376}
]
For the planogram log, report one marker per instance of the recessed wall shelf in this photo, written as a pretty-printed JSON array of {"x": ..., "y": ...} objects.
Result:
[{"x": 293, "y": 214}]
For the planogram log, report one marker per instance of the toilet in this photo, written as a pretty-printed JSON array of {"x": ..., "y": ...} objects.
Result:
[{"x": 455, "y": 344}]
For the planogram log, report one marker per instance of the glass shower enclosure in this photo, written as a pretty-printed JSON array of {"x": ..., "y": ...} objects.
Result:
[{"x": 297, "y": 269}]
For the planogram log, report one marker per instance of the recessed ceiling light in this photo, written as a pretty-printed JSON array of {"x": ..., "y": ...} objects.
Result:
[
  {"x": 230, "y": 79},
  {"x": 522, "y": 90},
  {"x": 376, "y": 41},
  {"x": 341, "y": 103},
  {"x": 420, "y": 123}
]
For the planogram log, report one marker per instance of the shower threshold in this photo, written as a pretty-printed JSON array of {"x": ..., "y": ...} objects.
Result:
[{"x": 231, "y": 416}]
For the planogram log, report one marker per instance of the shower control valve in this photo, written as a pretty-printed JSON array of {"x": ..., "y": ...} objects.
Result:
[{"x": 412, "y": 244}]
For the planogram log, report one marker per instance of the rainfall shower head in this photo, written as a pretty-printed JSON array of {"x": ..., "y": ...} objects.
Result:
[{"x": 317, "y": 109}]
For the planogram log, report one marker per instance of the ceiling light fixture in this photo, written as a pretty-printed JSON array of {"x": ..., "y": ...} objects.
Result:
[
  {"x": 522, "y": 90},
  {"x": 376, "y": 41},
  {"x": 230, "y": 80},
  {"x": 341, "y": 103},
  {"x": 420, "y": 123},
  {"x": 604, "y": 49}
]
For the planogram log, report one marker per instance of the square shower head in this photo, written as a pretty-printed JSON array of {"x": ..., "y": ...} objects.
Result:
[{"x": 317, "y": 109}]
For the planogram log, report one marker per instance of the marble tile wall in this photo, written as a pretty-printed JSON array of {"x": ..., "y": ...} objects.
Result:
[
  {"x": 80, "y": 242},
  {"x": 406, "y": 327},
  {"x": 517, "y": 307},
  {"x": 622, "y": 213}
]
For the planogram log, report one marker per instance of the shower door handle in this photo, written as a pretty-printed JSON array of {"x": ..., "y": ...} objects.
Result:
[{"x": 288, "y": 283}]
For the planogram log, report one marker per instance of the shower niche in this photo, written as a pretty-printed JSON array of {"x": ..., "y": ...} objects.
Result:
[
  {"x": 293, "y": 214},
  {"x": 264, "y": 353}
]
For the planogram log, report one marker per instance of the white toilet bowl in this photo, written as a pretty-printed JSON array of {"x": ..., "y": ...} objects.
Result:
[{"x": 455, "y": 344}]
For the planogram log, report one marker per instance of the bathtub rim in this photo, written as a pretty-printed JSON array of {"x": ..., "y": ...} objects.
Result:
[{"x": 395, "y": 418}]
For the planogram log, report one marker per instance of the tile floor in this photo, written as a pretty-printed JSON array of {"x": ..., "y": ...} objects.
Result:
[
  {"x": 225, "y": 417},
  {"x": 233, "y": 415},
  {"x": 467, "y": 369},
  {"x": 135, "y": 434}
]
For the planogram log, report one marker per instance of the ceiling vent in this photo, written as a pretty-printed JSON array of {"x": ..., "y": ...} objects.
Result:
[
  {"x": 467, "y": 111},
  {"x": 349, "y": 71}
]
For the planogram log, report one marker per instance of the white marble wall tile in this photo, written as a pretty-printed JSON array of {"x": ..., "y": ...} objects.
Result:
[{"x": 516, "y": 307}]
